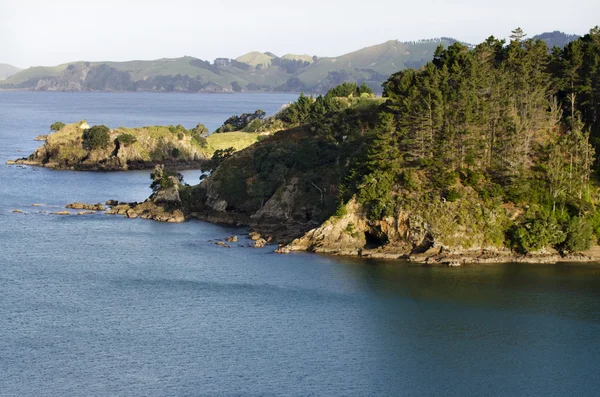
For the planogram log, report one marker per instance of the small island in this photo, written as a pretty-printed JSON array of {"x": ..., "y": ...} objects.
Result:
[{"x": 82, "y": 147}]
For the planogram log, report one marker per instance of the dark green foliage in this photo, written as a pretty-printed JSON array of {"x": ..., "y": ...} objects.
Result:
[
  {"x": 539, "y": 230},
  {"x": 180, "y": 136},
  {"x": 57, "y": 126},
  {"x": 579, "y": 232},
  {"x": 126, "y": 139},
  {"x": 175, "y": 152},
  {"x": 96, "y": 137},
  {"x": 452, "y": 195},
  {"x": 217, "y": 158},
  {"x": 238, "y": 123}
]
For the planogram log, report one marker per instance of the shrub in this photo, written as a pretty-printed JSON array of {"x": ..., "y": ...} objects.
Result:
[
  {"x": 199, "y": 130},
  {"x": 96, "y": 137},
  {"x": 126, "y": 139},
  {"x": 180, "y": 136},
  {"x": 175, "y": 152},
  {"x": 538, "y": 231},
  {"x": 341, "y": 210},
  {"x": 579, "y": 232},
  {"x": 452, "y": 195},
  {"x": 57, "y": 126}
]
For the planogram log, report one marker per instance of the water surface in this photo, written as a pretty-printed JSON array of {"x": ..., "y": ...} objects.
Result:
[{"x": 102, "y": 305}]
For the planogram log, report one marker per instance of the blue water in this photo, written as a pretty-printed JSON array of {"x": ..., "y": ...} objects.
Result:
[{"x": 106, "y": 306}]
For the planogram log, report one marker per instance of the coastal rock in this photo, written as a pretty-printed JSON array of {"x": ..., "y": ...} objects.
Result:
[
  {"x": 232, "y": 239},
  {"x": 259, "y": 243},
  {"x": 111, "y": 203},
  {"x": 18, "y": 211},
  {"x": 86, "y": 213},
  {"x": 130, "y": 213},
  {"x": 254, "y": 235},
  {"x": 40, "y": 138},
  {"x": 83, "y": 206},
  {"x": 61, "y": 213}
]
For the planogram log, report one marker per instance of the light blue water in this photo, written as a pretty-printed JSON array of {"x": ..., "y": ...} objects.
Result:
[{"x": 102, "y": 305}]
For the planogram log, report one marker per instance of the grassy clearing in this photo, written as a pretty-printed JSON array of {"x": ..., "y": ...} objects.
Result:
[{"x": 237, "y": 140}]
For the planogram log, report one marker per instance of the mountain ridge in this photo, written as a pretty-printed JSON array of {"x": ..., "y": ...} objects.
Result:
[{"x": 250, "y": 72}]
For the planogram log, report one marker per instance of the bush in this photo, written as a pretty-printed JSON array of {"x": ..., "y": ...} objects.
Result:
[
  {"x": 341, "y": 210},
  {"x": 57, "y": 126},
  {"x": 180, "y": 136},
  {"x": 175, "y": 152},
  {"x": 96, "y": 137},
  {"x": 452, "y": 195},
  {"x": 199, "y": 130},
  {"x": 539, "y": 231},
  {"x": 579, "y": 232},
  {"x": 126, "y": 139}
]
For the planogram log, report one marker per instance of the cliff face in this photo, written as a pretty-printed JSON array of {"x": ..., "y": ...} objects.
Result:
[{"x": 139, "y": 148}]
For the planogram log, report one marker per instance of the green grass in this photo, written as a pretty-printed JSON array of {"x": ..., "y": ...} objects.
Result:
[
  {"x": 255, "y": 58},
  {"x": 237, "y": 140}
]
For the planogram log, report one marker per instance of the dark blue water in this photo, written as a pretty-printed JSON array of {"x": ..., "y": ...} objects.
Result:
[{"x": 102, "y": 305}]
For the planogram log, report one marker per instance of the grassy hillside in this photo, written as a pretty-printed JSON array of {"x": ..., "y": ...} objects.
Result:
[
  {"x": 254, "y": 71},
  {"x": 255, "y": 58}
]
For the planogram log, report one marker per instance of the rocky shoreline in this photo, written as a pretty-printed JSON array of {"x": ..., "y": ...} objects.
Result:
[
  {"x": 112, "y": 166},
  {"x": 162, "y": 210}
]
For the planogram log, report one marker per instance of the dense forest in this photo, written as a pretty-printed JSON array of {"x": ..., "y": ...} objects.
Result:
[{"x": 497, "y": 140}]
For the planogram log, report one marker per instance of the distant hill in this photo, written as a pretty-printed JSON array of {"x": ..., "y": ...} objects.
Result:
[
  {"x": 556, "y": 38},
  {"x": 7, "y": 70},
  {"x": 254, "y": 71}
]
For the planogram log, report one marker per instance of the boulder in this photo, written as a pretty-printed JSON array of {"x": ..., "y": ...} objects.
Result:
[
  {"x": 18, "y": 211},
  {"x": 259, "y": 243},
  {"x": 254, "y": 236},
  {"x": 111, "y": 203},
  {"x": 232, "y": 239},
  {"x": 61, "y": 213}
]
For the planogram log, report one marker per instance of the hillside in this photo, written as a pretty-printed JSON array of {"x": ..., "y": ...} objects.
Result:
[
  {"x": 556, "y": 38},
  {"x": 7, "y": 70},
  {"x": 469, "y": 159},
  {"x": 254, "y": 71}
]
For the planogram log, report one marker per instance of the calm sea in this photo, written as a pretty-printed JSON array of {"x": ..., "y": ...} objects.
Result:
[{"x": 106, "y": 306}]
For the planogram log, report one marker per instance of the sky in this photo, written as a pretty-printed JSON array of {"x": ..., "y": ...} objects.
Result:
[{"x": 51, "y": 32}]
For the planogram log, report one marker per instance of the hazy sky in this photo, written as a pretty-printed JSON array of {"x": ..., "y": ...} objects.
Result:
[{"x": 49, "y": 32}]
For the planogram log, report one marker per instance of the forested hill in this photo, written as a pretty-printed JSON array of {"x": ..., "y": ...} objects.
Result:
[
  {"x": 483, "y": 149},
  {"x": 254, "y": 71}
]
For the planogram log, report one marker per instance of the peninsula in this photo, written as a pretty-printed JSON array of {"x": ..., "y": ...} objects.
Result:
[{"x": 485, "y": 154}]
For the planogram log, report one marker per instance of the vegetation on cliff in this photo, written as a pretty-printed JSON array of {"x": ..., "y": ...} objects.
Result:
[{"x": 490, "y": 147}]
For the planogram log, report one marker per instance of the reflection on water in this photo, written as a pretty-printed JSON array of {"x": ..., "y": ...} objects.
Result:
[{"x": 564, "y": 289}]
